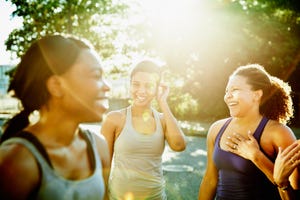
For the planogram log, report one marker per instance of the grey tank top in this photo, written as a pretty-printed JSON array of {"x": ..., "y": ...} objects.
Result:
[
  {"x": 137, "y": 163},
  {"x": 53, "y": 186}
]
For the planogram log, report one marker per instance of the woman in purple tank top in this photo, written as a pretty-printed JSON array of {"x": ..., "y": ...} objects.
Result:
[{"x": 242, "y": 149}]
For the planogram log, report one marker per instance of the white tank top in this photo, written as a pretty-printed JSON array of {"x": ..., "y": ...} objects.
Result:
[
  {"x": 137, "y": 163},
  {"x": 53, "y": 186}
]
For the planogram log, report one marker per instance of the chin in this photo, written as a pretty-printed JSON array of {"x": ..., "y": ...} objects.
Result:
[
  {"x": 233, "y": 114},
  {"x": 141, "y": 104},
  {"x": 96, "y": 116}
]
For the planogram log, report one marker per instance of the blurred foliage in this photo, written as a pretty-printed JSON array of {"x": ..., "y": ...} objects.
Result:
[
  {"x": 215, "y": 38},
  {"x": 97, "y": 21},
  {"x": 202, "y": 42}
]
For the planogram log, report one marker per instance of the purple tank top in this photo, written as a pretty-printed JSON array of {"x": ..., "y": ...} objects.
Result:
[{"x": 238, "y": 178}]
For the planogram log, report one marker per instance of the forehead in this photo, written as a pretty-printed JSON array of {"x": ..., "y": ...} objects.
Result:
[
  {"x": 145, "y": 77},
  {"x": 238, "y": 81},
  {"x": 88, "y": 60}
]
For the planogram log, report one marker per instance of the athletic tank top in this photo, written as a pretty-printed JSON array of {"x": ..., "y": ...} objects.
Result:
[
  {"x": 137, "y": 163},
  {"x": 239, "y": 178},
  {"x": 53, "y": 186}
]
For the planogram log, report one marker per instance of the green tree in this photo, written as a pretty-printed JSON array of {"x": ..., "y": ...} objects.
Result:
[
  {"x": 202, "y": 42},
  {"x": 94, "y": 20}
]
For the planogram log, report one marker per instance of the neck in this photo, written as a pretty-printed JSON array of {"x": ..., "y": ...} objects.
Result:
[
  {"x": 246, "y": 120},
  {"x": 139, "y": 110},
  {"x": 55, "y": 129}
]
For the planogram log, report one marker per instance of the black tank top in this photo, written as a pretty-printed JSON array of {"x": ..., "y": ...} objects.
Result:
[{"x": 239, "y": 178}]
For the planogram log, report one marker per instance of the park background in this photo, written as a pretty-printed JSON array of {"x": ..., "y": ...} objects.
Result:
[{"x": 199, "y": 43}]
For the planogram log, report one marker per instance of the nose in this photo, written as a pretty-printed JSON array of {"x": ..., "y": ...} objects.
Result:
[
  {"x": 106, "y": 85},
  {"x": 142, "y": 89},
  {"x": 227, "y": 95}
]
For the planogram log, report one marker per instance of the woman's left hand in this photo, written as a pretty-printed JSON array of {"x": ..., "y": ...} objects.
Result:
[{"x": 245, "y": 147}]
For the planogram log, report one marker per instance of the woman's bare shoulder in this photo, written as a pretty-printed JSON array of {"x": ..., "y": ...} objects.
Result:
[
  {"x": 217, "y": 124},
  {"x": 16, "y": 155},
  {"x": 18, "y": 165},
  {"x": 278, "y": 134},
  {"x": 278, "y": 128},
  {"x": 116, "y": 114}
]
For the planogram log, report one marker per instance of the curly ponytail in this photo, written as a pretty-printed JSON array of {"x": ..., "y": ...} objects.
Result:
[{"x": 278, "y": 102}]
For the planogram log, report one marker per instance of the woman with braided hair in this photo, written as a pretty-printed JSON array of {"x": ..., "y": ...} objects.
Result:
[{"x": 61, "y": 78}]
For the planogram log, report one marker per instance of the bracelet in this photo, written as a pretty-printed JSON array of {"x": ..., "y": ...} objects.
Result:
[{"x": 284, "y": 187}]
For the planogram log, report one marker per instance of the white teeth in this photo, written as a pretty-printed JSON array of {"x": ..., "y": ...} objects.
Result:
[
  {"x": 104, "y": 102},
  {"x": 141, "y": 98}
]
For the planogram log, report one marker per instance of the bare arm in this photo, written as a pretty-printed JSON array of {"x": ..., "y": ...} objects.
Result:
[
  {"x": 18, "y": 171},
  {"x": 109, "y": 128},
  {"x": 174, "y": 135},
  {"x": 207, "y": 190}
]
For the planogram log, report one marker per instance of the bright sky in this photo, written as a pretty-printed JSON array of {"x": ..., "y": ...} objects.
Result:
[{"x": 7, "y": 24}]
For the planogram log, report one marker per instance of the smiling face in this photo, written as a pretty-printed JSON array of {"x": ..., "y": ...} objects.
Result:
[
  {"x": 84, "y": 88},
  {"x": 143, "y": 88},
  {"x": 240, "y": 98}
]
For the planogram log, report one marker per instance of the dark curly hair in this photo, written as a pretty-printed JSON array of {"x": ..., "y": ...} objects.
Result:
[{"x": 276, "y": 102}]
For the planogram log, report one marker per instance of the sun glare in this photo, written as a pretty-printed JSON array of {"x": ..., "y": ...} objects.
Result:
[
  {"x": 173, "y": 16},
  {"x": 178, "y": 27},
  {"x": 129, "y": 196}
]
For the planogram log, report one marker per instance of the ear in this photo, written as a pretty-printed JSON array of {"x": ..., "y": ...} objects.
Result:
[
  {"x": 258, "y": 95},
  {"x": 54, "y": 86}
]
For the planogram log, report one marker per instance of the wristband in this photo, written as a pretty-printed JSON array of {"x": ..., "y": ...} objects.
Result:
[{"x": 284, "y": 187}]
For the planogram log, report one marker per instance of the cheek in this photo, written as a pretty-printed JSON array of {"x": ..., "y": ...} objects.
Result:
[
  {"x": 84, "y": 91},
  {"x": 132, "y": 90},
  {"x": 100, "y": 84},
  {"x": 247, "y": 100},
  {"x": 92, "y": 86}
]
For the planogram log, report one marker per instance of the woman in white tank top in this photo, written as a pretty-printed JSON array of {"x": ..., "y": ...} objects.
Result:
[
  {"x": 61, "y": 78},
  {"x": 136, "y": 137}
]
